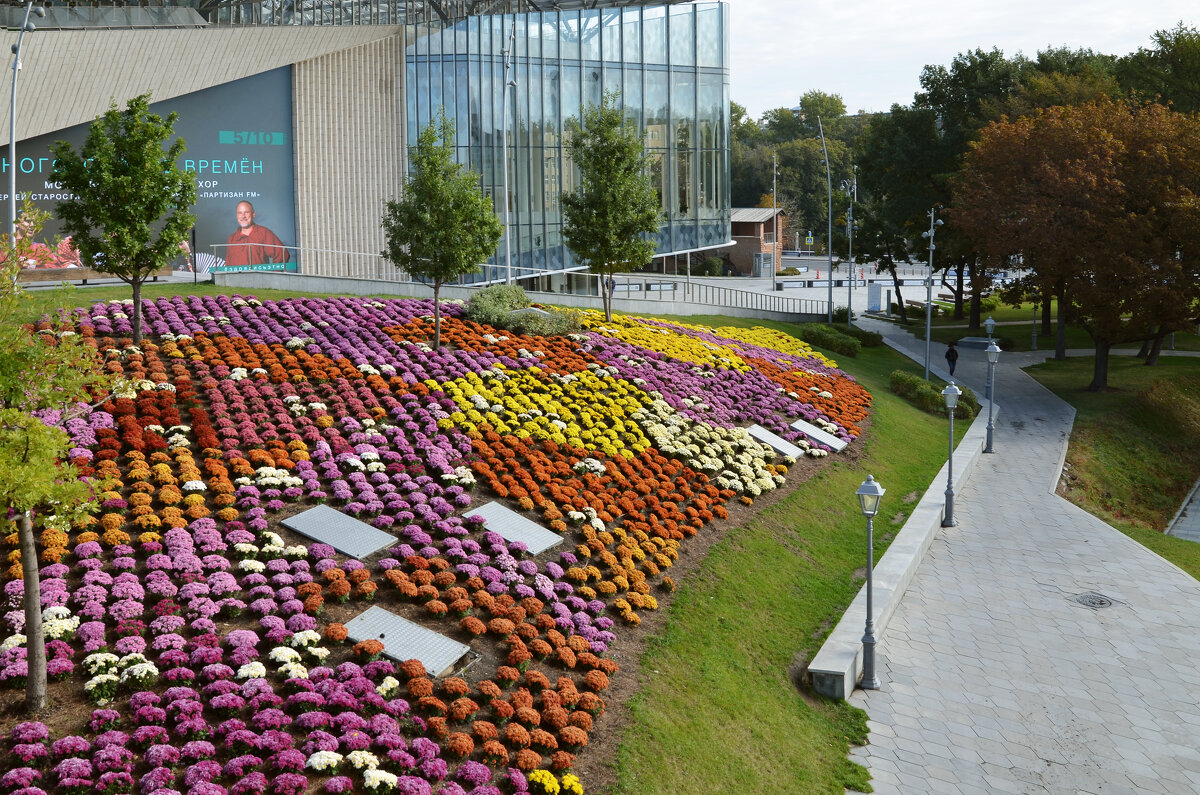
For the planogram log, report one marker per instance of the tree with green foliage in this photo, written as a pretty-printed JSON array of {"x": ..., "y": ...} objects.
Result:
[
  {"x": 1101, "y": 200},
  {"x": 899, "y": 157},
  {"x": 443, "y": 226},
  {"x": 131, "y": 208},
  {"x": 829, "y": 108},
  {"x": 1169, "y": 72},
  {"x": 609, "y": 216},
  {"x": 33, "y": 452}
]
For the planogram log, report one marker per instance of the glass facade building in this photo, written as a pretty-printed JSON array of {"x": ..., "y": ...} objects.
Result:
[{"x": 670, "y": 66}]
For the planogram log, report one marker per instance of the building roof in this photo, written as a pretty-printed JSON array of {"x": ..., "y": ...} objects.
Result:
[{"x": 753, "y": 215}]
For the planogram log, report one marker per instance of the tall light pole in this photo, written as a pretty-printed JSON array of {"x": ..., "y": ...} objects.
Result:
[
  {"x": 508, "y": 83},
  {"x": 829, "y": 194},
  {"x": 851, "y": 188},
  {"x": 993, "y": 356},
  {"x": 774, "y": 220},
  {"x": 26, "y": 27},
  {"x": 869, "y": 494},
  {"x": 951, "y": 394},
  {"x": 934, "y": 223}
]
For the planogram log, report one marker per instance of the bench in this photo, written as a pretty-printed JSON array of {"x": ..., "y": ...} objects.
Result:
[
  {"x": 81, "y": 275},
  {"x": 917, "y": 304}
]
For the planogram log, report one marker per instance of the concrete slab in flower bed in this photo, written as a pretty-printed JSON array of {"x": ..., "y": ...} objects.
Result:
[
  {"x": 404, "y": 640},
  {"x": 512, "y": 526},
  {"x": 344, "y": 533}
]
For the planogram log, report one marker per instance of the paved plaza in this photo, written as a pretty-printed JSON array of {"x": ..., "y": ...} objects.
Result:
[{"x": 1037, "y": 649}]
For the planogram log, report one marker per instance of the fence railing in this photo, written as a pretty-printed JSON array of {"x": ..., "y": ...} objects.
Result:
[{"x": 662, "y": 287}]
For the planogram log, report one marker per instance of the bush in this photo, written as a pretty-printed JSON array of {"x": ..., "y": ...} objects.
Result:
[
  {"x": 829, "y": 338},
  {"x": 495, "y": 305},
  {"x": 928, "y": 397},
  {"x": 556, "y": 323},
  {"x": 492, "y": 305},
  {"x": 790, "y": 272},
  {"x": 713, "y": 266},
  {"x": 868, "y": 339},
  {"x": 839, "y": 314}
]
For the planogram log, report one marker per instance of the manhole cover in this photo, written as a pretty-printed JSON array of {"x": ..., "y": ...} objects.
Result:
[{"x": 1094, "y": 600}]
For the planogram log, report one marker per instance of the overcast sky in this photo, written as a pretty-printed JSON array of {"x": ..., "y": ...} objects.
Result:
[{"x": 871, "y": 52}]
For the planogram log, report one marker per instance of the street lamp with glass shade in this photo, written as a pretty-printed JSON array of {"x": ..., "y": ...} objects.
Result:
[
  {"x": 951, "y": 394},
  {"x": 993, "y": 356},
  {"x": 869, "y": 494},
  {"x": 990, "y": 325}
]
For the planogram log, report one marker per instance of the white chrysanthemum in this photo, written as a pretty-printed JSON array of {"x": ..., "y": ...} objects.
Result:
[
  {"x": 305, "y": 638},
  {"x": 283, "y": 654},
  {"x": 324, "y": 761},
  {"x": 363, "y": 759},
  {"x": 388, "y": 686},
  {"x": 252, "y": 670},
  {"x": 379, "y": 779}
]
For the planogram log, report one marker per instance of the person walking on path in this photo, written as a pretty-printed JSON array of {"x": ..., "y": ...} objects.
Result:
[{"x": 951, "y": 357}]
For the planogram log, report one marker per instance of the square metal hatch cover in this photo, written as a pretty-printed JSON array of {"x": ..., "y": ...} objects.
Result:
[
  {"x": 403, "y": 640},
  {"x": 818, "y": 435},
  {"x": 774, "y": 441},
  {"x": 344, "y": 533},
  {"x": 513, "y": 527}
]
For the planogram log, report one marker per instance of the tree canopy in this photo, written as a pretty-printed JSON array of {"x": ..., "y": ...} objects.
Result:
[
  {"x": 1102, "y": 199},
  {"x": 131, "y": 209},
  {"x": 609, "y": 216},
  {"x": 443, "y": 226}
]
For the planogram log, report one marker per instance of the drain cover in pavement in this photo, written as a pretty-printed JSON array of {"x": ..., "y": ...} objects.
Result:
[
  {"x": 403, "y": 640},
  {"x": 1094, "y": 600}
]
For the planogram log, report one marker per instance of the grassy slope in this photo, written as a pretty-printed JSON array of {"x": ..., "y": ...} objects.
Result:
[
  {"x": 719, "y": 712},
  {"x": 1135, "y": 449}
]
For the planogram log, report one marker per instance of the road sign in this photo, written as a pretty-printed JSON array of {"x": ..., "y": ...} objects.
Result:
[{"x": 808, "y": 241}]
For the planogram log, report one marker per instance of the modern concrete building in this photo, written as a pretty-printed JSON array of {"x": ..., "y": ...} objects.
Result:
[{"x": 306, "y": 109}]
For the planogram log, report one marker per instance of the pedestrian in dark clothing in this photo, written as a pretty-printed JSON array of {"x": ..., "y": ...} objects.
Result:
[{"x": 951, "y": 356}]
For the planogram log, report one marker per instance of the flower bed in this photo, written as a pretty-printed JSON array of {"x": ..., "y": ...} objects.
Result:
[{"x": 202, "y": 631}]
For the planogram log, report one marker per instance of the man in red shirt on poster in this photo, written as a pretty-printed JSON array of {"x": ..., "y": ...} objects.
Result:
[{"x": 252, "y": 244}]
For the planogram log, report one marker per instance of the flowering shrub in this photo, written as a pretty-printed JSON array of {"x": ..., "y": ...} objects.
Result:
[{"x": 626, "y": 439}]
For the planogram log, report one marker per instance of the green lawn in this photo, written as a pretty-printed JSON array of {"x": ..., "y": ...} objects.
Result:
[{"x": 1135, "y": 449}]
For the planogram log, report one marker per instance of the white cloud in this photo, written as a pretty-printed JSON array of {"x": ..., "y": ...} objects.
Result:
[{"x": 871, "y": 52}]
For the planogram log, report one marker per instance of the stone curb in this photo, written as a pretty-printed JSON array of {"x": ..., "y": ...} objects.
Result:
[{"x": 837, "y": 666}]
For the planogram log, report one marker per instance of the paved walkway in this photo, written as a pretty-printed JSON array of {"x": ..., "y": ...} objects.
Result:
[{"x": 995, "y": 679}]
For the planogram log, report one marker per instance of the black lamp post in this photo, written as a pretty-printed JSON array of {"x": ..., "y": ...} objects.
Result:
[
  {"x": 869, "y": 494},
  {"x": 951, "y": 393},
  {"x": 993, "y": 356}
]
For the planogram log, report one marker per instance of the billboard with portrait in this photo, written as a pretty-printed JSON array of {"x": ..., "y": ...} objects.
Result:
[{"x": 239, "y": 147}]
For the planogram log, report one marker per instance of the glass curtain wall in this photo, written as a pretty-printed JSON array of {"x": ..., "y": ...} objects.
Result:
[{"x": 668, "y": 63}]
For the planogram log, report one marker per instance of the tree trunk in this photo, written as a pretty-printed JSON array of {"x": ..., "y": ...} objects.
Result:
[
  {"x": 437, "y": 316},
  {"x": 35, "y": 687},
  {"x": 1060, "y": 344},
  {"x": 1155, "y": 348},
  {"x": 606, "y": 296},
  {"x": 959, "y": 291},
  {"x": 1100, "y": 372},
  {"x": 1046, "y": 316},
  {"x": 137, "y": 311},
  {"x": 899, "y": 298},
  {"x": 1144, "y": 351}
]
